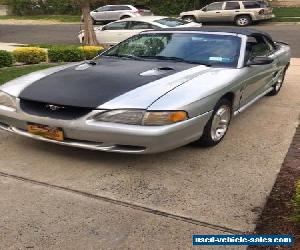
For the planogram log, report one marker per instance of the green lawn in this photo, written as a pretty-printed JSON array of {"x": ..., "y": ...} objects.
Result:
[
  {"x": 289, "y": 14},
  {"x": 59, "y": 18},
  {"x": 297, "y": 203},
  {"x": 50, "y": 46},
  {"x": 7, "y": 74}
]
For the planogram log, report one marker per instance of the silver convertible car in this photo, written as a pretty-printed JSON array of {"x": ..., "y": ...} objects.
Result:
[{"x": 155, "y": 91}]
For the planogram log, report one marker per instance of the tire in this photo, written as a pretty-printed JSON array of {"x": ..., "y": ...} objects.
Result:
[
  {"x": 278, "y": 85},
  {"x": 211, "y": 135},
  {"x": 124, "y": 17},
  {"x": 243, "y": 20},
  {"x": 189, "y": 18}
]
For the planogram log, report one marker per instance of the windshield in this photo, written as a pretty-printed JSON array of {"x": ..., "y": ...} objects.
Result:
[
  {"x": 198, "y": 48},
  {"x": 171, "y": 22}
]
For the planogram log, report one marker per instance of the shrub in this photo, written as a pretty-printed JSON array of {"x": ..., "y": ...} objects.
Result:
[
  {"x": 67, "y": 54},
  {"x": 91, "y": 51},
  {"x": 30, "y": 55},
  {"x": 39, "y": 7},
  {"x": 6, "y": 59}
]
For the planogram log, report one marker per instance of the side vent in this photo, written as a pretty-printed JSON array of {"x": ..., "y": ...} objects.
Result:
[{"x": 157, "y": 71}]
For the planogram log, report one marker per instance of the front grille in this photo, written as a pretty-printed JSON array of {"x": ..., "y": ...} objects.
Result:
[{"x": 52, "y": 110}]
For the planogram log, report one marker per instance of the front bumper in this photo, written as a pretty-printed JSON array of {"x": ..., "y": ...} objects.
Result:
[{"x": 88, "y": 134}]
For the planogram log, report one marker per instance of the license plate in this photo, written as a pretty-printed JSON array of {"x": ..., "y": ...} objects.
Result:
[{"x": 45, "y": 131}]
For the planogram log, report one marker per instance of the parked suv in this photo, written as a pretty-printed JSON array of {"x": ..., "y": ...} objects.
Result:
[
  {"x": 117, "y": 12},
  {"x": 242, "y": 13}
]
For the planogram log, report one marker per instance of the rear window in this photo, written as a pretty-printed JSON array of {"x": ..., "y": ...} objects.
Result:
[
  {"x": 171, "y": 22},
  {"x": 255, "y": 5}
]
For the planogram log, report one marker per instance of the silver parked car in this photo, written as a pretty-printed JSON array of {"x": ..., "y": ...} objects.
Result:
[
  {"x": 154, "y": 92},
  {"x": 242, "y": 13},
  {"x": 117, "y": 12}
]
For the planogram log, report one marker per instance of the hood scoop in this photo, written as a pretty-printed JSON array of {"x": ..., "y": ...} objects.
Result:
[{"x": 157, "y": 71}]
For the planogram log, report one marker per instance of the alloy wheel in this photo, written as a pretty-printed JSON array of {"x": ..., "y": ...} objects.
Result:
[{"x": 220, "y": 123}]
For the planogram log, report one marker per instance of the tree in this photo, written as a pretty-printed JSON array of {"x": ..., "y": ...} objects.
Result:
[{"x": 89, "y": 33}]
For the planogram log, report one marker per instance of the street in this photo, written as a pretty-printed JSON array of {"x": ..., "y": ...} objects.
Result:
[
  {"x": 56, "y": 197},
  {"x": 67, "y": 34}
]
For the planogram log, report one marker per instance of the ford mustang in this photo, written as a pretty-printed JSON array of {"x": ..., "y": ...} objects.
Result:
[{"x": 153, "y": 92}]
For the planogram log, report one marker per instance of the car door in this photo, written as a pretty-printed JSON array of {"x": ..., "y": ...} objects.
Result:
[
  {"x": 113, "y": 33},
  {"x": 231, "y": 10},
  {"x": 100, "y": 14},
  {"x": 211, "y": 13},
  {"x": 259, "y": 77},
  {"x": 115, "y": 13}
]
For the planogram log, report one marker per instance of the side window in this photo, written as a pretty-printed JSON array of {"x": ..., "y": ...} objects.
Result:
[
  {"x": 118, "y": 8},
  {"x": 104, "y": 8},
  {"x": 251, "y": 5},
  {"x": 140, "y": 26},
  {"x": 257, "y": 46},
  {"x": 116, "y": 26},
  {"x": 232, "y": 6},
  {"x": 214, "y": 6}
]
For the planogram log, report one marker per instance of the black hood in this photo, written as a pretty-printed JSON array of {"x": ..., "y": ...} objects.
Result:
[{"x": 94, "y": 85}]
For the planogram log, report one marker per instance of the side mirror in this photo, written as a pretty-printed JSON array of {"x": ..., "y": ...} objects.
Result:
[
  {"x": 95, "y": 10},
  {"x": 259, "y": 60},
  {"x": 204, "y": 9}
]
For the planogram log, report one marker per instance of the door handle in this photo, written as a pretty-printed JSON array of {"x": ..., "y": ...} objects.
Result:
[
  {"x": 218, "y": 12},
  {"x": 237, "y": 11}
]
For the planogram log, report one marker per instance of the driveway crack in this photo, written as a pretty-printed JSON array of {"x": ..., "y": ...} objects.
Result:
[{"x": 125, "y": 204}]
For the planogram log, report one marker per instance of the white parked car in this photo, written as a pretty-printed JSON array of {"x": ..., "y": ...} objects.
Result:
[
  {"x": 116, "y": 32},
  {"x": 118, "y": 12}
]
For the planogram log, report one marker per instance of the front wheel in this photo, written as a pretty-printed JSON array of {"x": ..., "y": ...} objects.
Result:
[
  {"x": 278, "y": 85},
  {"x": 189, "y": 18},
  {"x": 124, "y": 17},
  {"x": 216, "y": 128},
  {"x": 243, "y": 20}
]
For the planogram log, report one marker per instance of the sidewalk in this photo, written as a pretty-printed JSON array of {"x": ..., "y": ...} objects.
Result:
[{"x": 9, "y": 46}]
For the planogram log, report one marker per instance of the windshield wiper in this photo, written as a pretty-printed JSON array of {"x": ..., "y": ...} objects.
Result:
[
  {"x": 124, "y": 56},
  {"x": 173, "y": 58}
]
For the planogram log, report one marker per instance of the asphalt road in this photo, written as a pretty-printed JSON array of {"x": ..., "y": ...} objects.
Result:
[{"x": 67, "y": 34}]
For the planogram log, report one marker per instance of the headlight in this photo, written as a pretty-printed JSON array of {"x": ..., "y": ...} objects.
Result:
[
  {"x": 142, "y": 117},
  {"x": 7, "y": 102},
  {"x": 164, "y": 117}
]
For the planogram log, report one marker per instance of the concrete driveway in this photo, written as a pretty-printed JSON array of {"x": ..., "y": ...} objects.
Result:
[{"x": 56, "y": 197}]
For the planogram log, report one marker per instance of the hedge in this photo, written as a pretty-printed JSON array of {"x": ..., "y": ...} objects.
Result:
[
  {"x": 65, "y": 54},
  {"x": 30, "y": 55},
  {"x": 166, "y": 7},
  {"x": 91, "y": 51},
  {"x": 6, "y": 59}
]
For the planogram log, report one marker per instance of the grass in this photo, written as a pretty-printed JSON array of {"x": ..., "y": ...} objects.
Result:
[
  {"x": 58, "y": 18},
  {"x": 297, "y": 204},
  {"x": 10, "y": 73},
  {"x": 288, "y": 14},
  {"x": 50, "y": 46}
]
